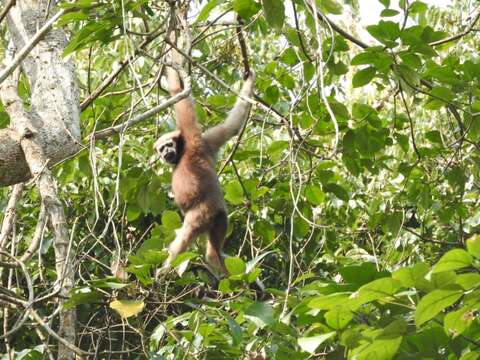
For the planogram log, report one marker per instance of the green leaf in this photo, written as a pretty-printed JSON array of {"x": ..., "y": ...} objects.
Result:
[
  {"x": 434, "y": 137},
  {"x": 453, "y": 260},
  {"x": 327, "y": 302},
  {"x": 384, "y": 349},
  {"x": 389, "y": 13},
  {"x": 456, "y": 322},
  {"x": 385, "y": 31},
  {"x": 141, "y": 272},
  {"x": 314, "y": 194},
  {"x": 235, "y": 330},
  {"x": 264, "y": 229},
  {"x": 363, "y": 77},
  {"x": 186, "y": 256},
  {"x": 473, "y": 246},
  {"x": 234, "y": 193},
  {"x": 82, "y": 296},
  {"x": 127, "y": 308},
  {"x": 155, "y": 257},
  {"x": 142, "y": 198},
  {"x": 107, "y": 283},
  {"x": 72, "y": 17},
  {"x": 224, "y": 286},
  {"x": 235, "y": 266},
  {"x": 472, "y": 355},
  {"x": 310, "y": 344},
  {"x": 337, "y": 190},
  {"x": 412, "y": 276},
  {"x": 364, "y": 58},
  {"x": 338, "y": 317},
  {"x": 274, "y": 12},
  {"x": 433, "y": 303},
  {"x": 171, "y": 220},
  {"x": 246, "y": 8},
  {"x": 468, "y": 281},
  {"x": 407, "y": 74},
  {"x": 207, "y": 9},
  {"x": 329, "y": 6},
  {"x": 377, "y": 289},
  {"x": 261, "y": 314},
  {"x": 252, "y": 263}
]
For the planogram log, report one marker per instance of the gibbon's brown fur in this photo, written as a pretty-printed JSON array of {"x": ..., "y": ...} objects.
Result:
[{"x": 195, "y": 182}]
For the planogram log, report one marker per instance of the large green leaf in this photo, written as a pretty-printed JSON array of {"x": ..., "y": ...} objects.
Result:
[
  {"x": 376, "y": 290},
  {"x": 311, "y": 343},
  {"x": 261, "y": 314},
  {"x": 274, "y": 12},
  {"x": 207, "y": 9},
  {"x": 453, "y": 260},
  {"x": 235, "y": 266},
  {"x": 363, "y": 77},
  {"x": 385, "y": 31},
  {"x": 433, "y": 303},
  {"x": 473, "y": 246},
  {"x": 246, "y": 8}
]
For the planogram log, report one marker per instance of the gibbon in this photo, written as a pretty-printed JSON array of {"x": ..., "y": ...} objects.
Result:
[{"x": 195, "y": 183}]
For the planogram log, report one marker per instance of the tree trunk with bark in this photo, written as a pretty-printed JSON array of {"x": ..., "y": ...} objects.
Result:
[
  {"x": 42, "y": 134},
  {"x": 54, "y": 95}
]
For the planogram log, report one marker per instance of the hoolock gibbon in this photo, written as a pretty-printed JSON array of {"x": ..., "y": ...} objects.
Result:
[{"x": 195, "y": 183}]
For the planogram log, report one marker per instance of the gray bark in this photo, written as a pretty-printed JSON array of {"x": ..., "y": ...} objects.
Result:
[
  {"x": 54, "y": 94},
  {"x": 43, "y": 135}
]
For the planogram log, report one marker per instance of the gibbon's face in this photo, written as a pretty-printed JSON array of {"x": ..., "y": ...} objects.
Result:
[{"x": 168, "y": 149}]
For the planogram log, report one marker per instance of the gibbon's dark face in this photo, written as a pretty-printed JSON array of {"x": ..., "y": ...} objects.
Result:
[{"x": 168, "y": 150}]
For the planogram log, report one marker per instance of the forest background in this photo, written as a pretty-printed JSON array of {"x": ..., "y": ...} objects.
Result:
[{"x": 353, "y": 191}]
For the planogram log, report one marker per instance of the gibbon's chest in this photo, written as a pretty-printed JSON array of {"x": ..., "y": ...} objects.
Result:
[{"x": 193, "y": 180}]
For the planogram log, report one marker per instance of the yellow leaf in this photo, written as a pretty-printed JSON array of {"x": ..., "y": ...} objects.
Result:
[{"x": 127, "y": 308}]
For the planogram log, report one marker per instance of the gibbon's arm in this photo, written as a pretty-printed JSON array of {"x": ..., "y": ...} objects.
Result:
[
  {"x": 185, "y": 116},
  {"x": 218, "y": 135}
]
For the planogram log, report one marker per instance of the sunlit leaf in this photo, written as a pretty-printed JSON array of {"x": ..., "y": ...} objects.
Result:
[{"x": 127, "y": 308}]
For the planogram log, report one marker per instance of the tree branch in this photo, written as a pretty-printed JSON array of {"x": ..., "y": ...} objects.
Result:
[
  {"x": 101, "y": 134},
  {"x": 458, "y": 36},
  {"x": 10, "y": 213},
  {"x": 6, "y": 9}
]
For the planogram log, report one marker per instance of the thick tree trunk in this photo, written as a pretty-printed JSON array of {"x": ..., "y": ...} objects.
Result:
[
  {"x": 54, "y": 95},
  {"x": 42, "y": 135}
]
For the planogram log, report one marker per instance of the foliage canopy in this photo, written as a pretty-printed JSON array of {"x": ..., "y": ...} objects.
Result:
[{"x": 353, "y": 192}]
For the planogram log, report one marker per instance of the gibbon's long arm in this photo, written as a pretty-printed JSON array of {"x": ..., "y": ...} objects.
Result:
[
  {"x": 186, "y": 118},
  {"x": 218, "y": 135}
]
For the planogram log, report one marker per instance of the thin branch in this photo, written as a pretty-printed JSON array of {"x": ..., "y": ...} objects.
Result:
[
  {"x": 458, "y": 36},
  {"x": 23, "y": 53},
  {"x": 243, "y": 48},
  {"x": 25, "y": 304},
  {"x": 299, "y": 33},
  {"x": 110, "y": 78},
  {"x": 364, "y": 46},
  {"x": 6, "y": 9},
  {"x": 101, "y": 134},
  {"x": 56, "y": 336},
  {"x": 37, "y": 235},
  {"x": 10, "y": 213},
  {"x": 339, "y": 30},
  {"x": 412, "y": 131}
]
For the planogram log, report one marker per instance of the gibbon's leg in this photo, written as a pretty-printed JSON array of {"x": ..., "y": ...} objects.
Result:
[
  {"x": 185, "y": 236},
  {"x": 216, "y": 240}
]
